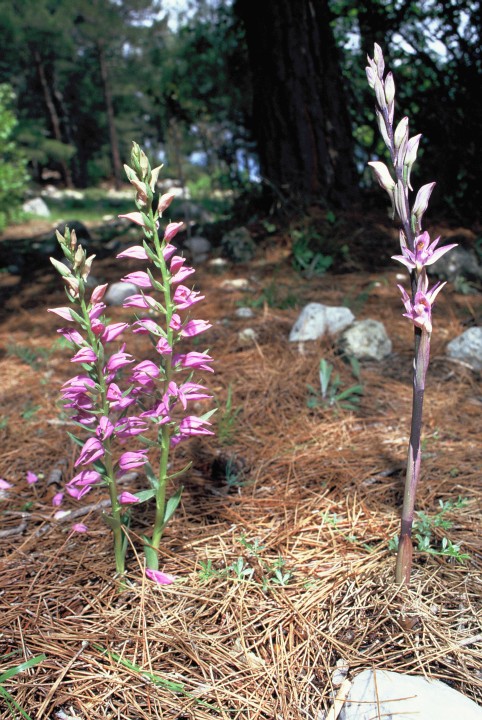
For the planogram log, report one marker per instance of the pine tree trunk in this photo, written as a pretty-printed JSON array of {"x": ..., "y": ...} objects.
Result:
[
  {"x": 109, "y": 105},
  {"x": 53, "y": 115},
  {"x": 300, "y": 117}
]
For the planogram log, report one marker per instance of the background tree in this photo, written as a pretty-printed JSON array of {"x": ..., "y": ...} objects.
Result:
[
  {"x": 300, "y": 117},
  {"x": 13, "y": 175}
]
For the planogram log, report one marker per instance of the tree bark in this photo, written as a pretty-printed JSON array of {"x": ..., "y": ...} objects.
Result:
[
  {"x": 300, "y": 117},
  {"x": 109, "y": 105}
]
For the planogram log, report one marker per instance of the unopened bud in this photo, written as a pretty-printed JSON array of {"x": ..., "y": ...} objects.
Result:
[
  {"x": 164, "y": 202},
  {"x": 60, "y": 267},
  {"x": 87, "y": 266},
  {"x": 371, "y": 75},
  {"x": 410, "y": 157},
  {"x": 380, "y": 94},
  {"x": 143, "y": 163},
  {"x": 154, "y": 176},
  {"x": 79, "y": 257},
  {"x": 383, "y": 128},
  {"x": 383, "y": 175},
  {"x": 72, "y": 286},
  {"x": 378, "y": 57},
  {"x": 421, "y": 203},
  {"x": 401, "y": 132},
  {"x": 389, "y": 88}
]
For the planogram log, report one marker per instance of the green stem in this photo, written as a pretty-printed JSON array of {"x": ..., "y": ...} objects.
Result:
[
  {"x": 405, "y": 549},
  {"x": 164, "y": 433}
]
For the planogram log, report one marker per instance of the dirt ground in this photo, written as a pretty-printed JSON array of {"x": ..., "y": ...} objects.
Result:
[{"x": 280, "y": 546}]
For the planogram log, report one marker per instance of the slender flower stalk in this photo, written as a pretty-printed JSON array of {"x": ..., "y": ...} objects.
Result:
[
  {"x": 115, "y": 399},
  {"x": 416, "y": 253}
]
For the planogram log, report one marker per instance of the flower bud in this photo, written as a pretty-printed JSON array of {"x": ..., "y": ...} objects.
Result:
[
  {"x": 389, "y": 88},
  {"x": 154, "y": 176},
  {"x": 60, "y": 267},
  {"x": 383, "y": 175},
  {"x": 86, "y": 267},
  {"x": 401, "y": 203},
  {"x": 73, "y": 239},
  {"x": 410, "y": 157},
  {"x": 378, "y": 57},
  {"x": 380, "y": 94},
  {"x": 421, "y": 204},
  {"x": 371, "y": 75},
  {"x": 401, "y": 132},
  {"x": 383, "y": 128},
  {"x": 79, "y": 257}
]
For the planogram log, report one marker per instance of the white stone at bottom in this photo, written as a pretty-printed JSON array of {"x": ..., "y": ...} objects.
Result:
[{"x": 395, "y": 696}]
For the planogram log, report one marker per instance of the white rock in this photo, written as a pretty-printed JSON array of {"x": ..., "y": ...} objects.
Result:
[
  {"x": 366, "y": 340},
  {"x": 236, "y": 284},
  {"x": 244, "y": 312},
  {"x": 315, "y": 320},
  {"x": 36, "y": 206},
  {"x": 467, "y": 347},
  {"x": 247, "y": 336},
  {"x": 393, "y": 696},
  {"x": 118, "y": 292}
]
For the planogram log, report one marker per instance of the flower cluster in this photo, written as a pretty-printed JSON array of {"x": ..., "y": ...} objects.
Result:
[
  {"x": 116, "y": 399},
  {"x": 417, "y": 250}
]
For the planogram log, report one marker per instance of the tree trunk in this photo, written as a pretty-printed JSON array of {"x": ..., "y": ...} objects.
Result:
[
  {"x": 114, "y": 143},
  {"x": 300, "y": 117},
  {"x": 53, "y": 115}
]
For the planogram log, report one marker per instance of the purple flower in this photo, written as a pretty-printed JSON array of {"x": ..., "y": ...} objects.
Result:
[
  {"x": 98, "y": 293},
  {"x": 424, "y": 252},
  {"x": 92, "y": 450},
  {"x": 159, "y": 577},
  {"x": 85, "y": 477},
  {"x": 193, "y": 360},
  {"x": 96, "y": 310},
  {"x": 145, "y": 326},
  {"x": 131, "y": 460},
  {"x": 84, "y": 355},
  {"x": 144, "y": 373},
  {"x": 130, "y": 426},
  {"x": 163, "y": 347},
  {"x": 187, "y": 391},
  {"x": 105, "y": 428},
  {"x": 4, "y": 485},
  {"x": 168, "y": 250},
  {"x": 126, "y": 498},
  {"x": 139, "y": 278},
  {"x": 171, "y": 230},
  {"x": 119, "y": 360},
  {"x": 192, "y": 425},
  {"x": 140, "y": 301},
  {"x": 118, "y": 400},
  {"x": 112, "y": 331},
  {"x": 63, "y": 312},
  {"x": 79, "y": 527},
  {"x": 184, "y": 297},
  {"x": 72, "y": 336},
  {"x": 178, "y": 271},
  {"x": 57, "y": 499},
  {"x": 420, "y": 310},
  {"x": 195, "y": 327},
  {"x": 32, "y": 478},
  {"x": 136, "y": 251},
  {"x": 78, "y": 492}
]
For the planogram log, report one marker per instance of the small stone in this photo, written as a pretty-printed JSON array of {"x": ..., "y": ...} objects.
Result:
[
  {"x": 315, "y": 320},
  {"x": 467, "y": 348},
  {"x": 244, "y": 312},
  {"x": 366, "y": 340},
  {"x": 391, "y": 695},
  {"x": 248, "y": 336},
  {"x": 235, "y": 284},
  {"x": 36, "y": 206},
  {"x": 118, "y": 293}
]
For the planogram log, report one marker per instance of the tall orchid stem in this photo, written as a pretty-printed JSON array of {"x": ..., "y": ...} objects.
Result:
[{"x": 405, "y": 548}]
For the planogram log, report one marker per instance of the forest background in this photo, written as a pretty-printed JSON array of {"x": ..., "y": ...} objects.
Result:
[{"x": 237, "y": 96}]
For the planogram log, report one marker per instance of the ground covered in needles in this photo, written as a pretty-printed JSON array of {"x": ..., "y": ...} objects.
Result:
[{"x": 281, "y": 544}]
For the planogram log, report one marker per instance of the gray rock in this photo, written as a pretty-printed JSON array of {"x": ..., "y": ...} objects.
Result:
[
  {"x": 118, "y": 292},
  {"x": 366, "y": 340},
  {"x": 392, "y": 696},
  {"x": 239, "y": 245},
  {"x": 457, "y": 263},
  {"x": 467, "y": 347},
  {"x": 315, "y": 320},
  {"x": 36, "y": 206},
  {"x": 235, "y": 284},
  {"x": 244, "y": 312},
  {"x": 199, "y": 248}
]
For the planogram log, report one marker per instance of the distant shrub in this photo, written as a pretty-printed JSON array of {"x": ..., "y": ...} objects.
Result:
[{"x": 13, "y": 173}]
